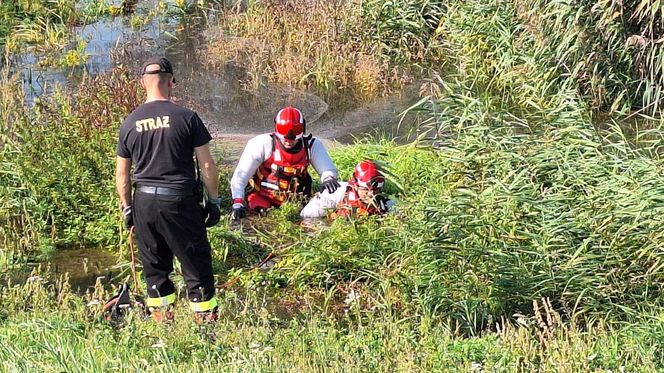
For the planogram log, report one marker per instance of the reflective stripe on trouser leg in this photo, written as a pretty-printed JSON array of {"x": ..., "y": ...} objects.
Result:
[
  {"x": 173, "y": 226},
  {"x": 208, "y": 305},
  {"x": 161, "y": 302}
]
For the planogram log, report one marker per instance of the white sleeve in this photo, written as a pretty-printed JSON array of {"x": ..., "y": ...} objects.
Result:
[
  {"x": 321, "y": 161},
  {"x": 317, "y": 206},
  {"x": 253, "y": 155}
]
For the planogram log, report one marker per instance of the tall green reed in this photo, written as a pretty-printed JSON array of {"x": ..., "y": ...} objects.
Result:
[
  {"x": 405, "y": 30},
  {"x": 607, "y": 50},
  {"x": 540, "y": 199}
]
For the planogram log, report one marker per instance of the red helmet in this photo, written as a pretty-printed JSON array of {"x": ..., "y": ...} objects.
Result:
[
  {"x": 289, "y": 123},
  {"x": 366, "y": 175}
]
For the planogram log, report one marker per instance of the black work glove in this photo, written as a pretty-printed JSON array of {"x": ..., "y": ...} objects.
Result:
[
  {"x": 331, "y": 184},
  {"x": 213, "y": 212},
  {"x": 239, "y": 211},
  {"x": 128, "y": 217}
]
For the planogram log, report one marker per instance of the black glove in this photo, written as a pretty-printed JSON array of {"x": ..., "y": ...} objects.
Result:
[
  {"x": 212, "y": 210},
  {"x": 239, "y": 211},
  {"x": 331, "y": 184},
  {"x": 128, "y": 217}
]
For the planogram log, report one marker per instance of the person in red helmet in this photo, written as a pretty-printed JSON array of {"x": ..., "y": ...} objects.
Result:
[
  {"x": 275, "y": 165},
  {"x": 360, "y": 196}
]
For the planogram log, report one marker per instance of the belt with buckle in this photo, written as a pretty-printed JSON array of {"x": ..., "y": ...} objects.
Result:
[{"x": 164, "y": 191}]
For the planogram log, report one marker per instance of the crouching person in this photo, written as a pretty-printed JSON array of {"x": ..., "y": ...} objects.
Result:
[
  {"x": 360, "y": 196},
  {"x": 274, "y": 166}
]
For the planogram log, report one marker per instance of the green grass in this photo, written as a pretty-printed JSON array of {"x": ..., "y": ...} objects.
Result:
[
  {"x": 491, "y": 224},
  {"x": 527, "y": 234},
  {"x": 52, "y": 329}
]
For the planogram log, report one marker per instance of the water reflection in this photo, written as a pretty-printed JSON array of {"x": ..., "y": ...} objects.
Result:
[{"x": 84, "y": 266}]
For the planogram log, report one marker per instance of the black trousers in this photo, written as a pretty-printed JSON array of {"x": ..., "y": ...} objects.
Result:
[{"x": 168, "y": 226}]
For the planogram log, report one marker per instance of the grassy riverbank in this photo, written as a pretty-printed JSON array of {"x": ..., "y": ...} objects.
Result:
[
  {"x": 489, "y": 229},
  {"x": 527, "y": 236},
  {"x": 51, "y": 329}
]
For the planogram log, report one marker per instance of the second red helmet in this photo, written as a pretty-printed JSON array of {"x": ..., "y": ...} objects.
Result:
[
  {"x": 366, "y": 175},
  {"x": 289, "y": 123}
]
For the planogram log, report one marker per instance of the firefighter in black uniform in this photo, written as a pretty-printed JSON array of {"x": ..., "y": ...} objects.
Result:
[{"x": 160, "y": 138}]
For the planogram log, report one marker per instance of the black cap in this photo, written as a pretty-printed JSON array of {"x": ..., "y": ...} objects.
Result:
[{"x": 165, "y": 66}]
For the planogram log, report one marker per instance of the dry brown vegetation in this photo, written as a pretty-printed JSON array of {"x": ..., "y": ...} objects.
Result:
[{"x": 311, "y": 44}]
